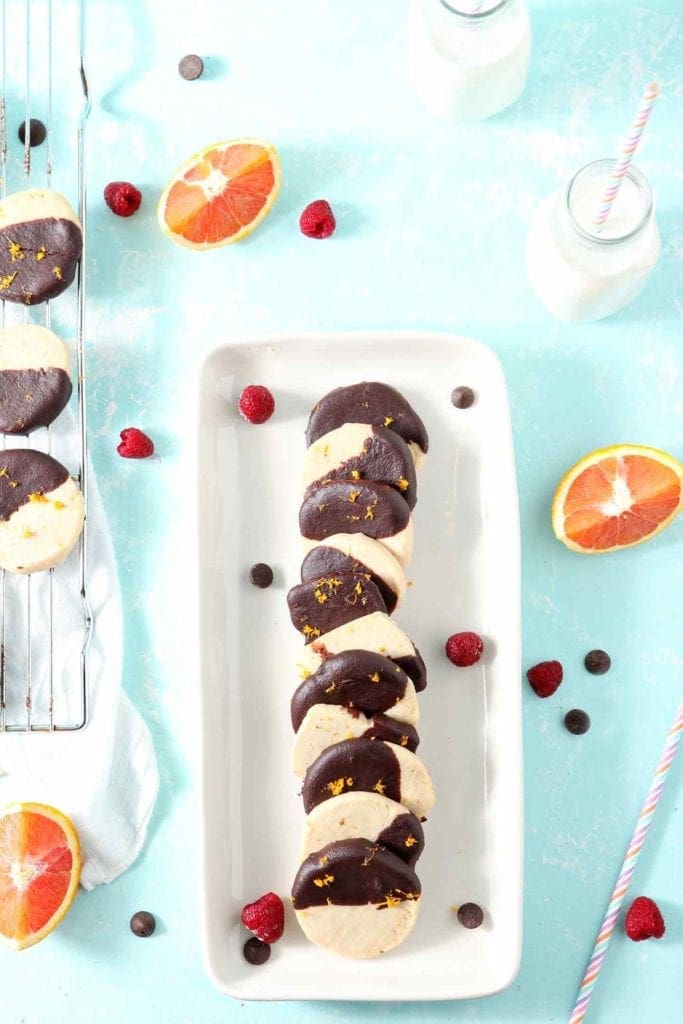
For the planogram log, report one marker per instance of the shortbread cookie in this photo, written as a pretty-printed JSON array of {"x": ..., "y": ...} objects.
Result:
[
  {"x": 35, "y": 385},
  {"x": 359, "y": 451},
  {"x": 369, "y": 402},
  {"x": 364, "y": 816},
  {"x": 327, "y": 724},
  {"x": 377, "y": 633},
  {"x": 359, "y": 506},
  {"x": 40, "y": 245},
  {"x": 362, "y": 680},
  {"x": 356, "y": 898},
  {"x": 354, "y": 552},
  {"x": 371, "y": 766},
  {"x": 322, "y": 604},
  {"x": 41, "y": 511}
]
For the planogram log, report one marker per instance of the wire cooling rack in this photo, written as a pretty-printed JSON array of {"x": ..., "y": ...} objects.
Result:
[{"x": 53, "y": 697}]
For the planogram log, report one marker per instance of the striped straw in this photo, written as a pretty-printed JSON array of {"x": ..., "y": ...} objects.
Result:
[
  {"x": 626, "y": 155},
  {"x": 477, "y": 6},
  {"x": 627, "y": 869}
]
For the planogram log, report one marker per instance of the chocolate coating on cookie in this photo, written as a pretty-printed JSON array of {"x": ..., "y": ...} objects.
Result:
[
  {"x": 26, "y": 475},
  {"x": 40, "y": 246},
  {"x": 361, "y": 765},
  {"x": 404, "y": 837},
  {"x": 329, "y": 561},
  {"x": 391, "y": 731},
  {"x": 32, "y": 398},
  {"x": 367, "y": 402},
  {"x": 353, "y": 506},
  {"x": 320, "y": 605},
  {"x": 353, "y": 872},
  {"x": 360, "y": 679},
  {"x": 413, "y": 665}
]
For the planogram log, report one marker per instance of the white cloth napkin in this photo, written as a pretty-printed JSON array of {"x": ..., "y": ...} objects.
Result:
[{"x": 105, "y": 776}]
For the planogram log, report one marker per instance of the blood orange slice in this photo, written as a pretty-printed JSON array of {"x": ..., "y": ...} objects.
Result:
[
  {"x": 617, "y": 497},
  {"x": 220, "y": 194},
  {"x": 40, "y": 866}
]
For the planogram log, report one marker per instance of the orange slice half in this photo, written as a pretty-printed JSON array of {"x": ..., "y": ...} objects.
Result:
[
  {"x": 40, "y": 867},
  {"x": 617, "y": 497},
  {"x": 220, "y": 194}
]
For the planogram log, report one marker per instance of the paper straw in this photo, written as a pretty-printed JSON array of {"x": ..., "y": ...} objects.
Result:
[
  {"x": 627, "y": 869},
  {"x": 477, "y": 6},
  {"x": 626, "y": 155}
]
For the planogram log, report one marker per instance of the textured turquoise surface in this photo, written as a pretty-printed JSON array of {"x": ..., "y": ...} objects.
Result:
[{"x": 432, "y": 223}]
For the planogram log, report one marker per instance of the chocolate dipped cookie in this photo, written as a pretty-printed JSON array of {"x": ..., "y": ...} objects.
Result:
[
  {"x": 359, "y": 506},
  {"x": 327, "y": 724},
  {"x": 41, "y": 511},
  {"x": 354, "y": 552},
  {"x": 356, "y": 898},
  {"x": 320, "y": 605},
  {"x": 360, "y": 451},
  {"x": 369, "y": 402},
  {"x": 40, "y": 245},
  {"x": 35, "y": 385},
  {"x": 364, "y": 816}
]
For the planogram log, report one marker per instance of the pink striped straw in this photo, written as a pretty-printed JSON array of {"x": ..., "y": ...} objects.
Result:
[
  {"x": 626, "y": 155},
  {"x": 627, "y": 869}
]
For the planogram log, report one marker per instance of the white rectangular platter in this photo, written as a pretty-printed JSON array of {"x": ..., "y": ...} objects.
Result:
[{"x": 465, "y": 575}]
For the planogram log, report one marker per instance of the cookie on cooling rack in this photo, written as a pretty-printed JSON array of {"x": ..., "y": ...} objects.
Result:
[
  {"x": 41, "y": 511},
  {"x": 35, "y": 385},
  {"x": 40, "y": 245}
]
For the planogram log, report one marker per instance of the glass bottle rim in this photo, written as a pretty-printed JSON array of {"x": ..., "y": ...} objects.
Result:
[
  {"x": 474, "y": 17},
  {"x": 636, "y": 177}
]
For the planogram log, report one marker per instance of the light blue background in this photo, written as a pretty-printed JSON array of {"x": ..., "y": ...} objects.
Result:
[{"x": 431, "y": 227}]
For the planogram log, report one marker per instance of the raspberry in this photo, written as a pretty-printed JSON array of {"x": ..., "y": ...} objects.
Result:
[
  {"x": 265, "y": 918},
  {"x": 317, "y": 220},
  {"x": 135, "y": 444},
  {"x": 464, "y": 649},
  {"x": 256, "y": 404},
  {"x": 545, "y": 678},
  {"x": 122, "y": 198},
  {"x": 644, "y": 920}
]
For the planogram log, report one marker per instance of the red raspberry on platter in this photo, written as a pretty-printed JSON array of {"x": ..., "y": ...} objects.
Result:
[
  {"x": 545, "y": 678},
  {"x": 135, "y": 444},
  {"x": 256, "y": 404},
  {"x": 265, "y": 917},
  {"x": 317, "y": 220},
  {"x": 122, "y": 198},
  {"x": 644, "y": 920},
  {"x": 464, "y": 649}
]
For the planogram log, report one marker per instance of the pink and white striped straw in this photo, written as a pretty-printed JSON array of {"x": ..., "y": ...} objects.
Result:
[
  {"x": 626, "y": 155},
  {"x": 627, "y": 869}
]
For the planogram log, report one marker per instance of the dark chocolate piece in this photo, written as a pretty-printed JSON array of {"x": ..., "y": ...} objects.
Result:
[
  {"x": 598, "y": 662},
  {"x": 319, "y": 606},
  {"x": 324, "y": 560},
  {"x": 385, "y": 458},
  {"x": 353, "y": 506},
  {"x": 143, "y": 924},
  {"x": 37, "y": 132},
  {"x": 363, "y": 680},
  {"x": 261, "y": 575},
  {"x": 256, "y": 952},
  {"x": 191, "y": 67},
  {"x": 577, "y": 721},
  {"x": 38, "y": 259},
  {"x": 470, "y": 915},
  {"x": 463, "y": 397},
  {"x": 391, "y": 731},
  {"x": 32, "y": 398},
  {"x": 26, "y": 475},
  {"x": 352, "y": 873},
  {"x": 359, "y": 765},
  {"x": 367, "y": 402},
  {"x": 404, "y": 837},
  {"x": 414, "y": 666}
]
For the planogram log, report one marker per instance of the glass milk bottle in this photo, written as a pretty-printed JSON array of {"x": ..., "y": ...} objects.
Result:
[
  {"x": 580, "y": 273},
  {"x": 467, "y": 65}
]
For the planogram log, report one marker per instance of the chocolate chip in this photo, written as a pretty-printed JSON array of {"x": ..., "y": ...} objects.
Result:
[
  {"x": 37, "y": 132},
  {"x": 255, "y": 951},
  {"x": 470, "y": 915},
  {"x": 191, "y": 67},
  {"x": 577, "y": 721},
  {"x": 143, "y": 924},
  {"x": 598, "y": 662},
  {"x": 261, "y": 575},
  {"x": 463, "y": 398}
]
